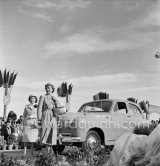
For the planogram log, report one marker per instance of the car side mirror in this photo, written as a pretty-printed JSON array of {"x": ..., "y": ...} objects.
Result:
[{"x": 84, "y": 111}]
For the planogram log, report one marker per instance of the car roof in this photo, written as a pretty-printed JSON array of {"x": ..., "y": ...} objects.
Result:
[
  {"x": 116, "y": 100},
  {"x": 113, "y": 100}
]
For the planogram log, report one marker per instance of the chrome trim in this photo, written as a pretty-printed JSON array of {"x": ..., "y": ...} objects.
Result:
[
  {"x": 71, "y": 139},
  {"x": 91, "y": 142},
  {"x": 65, "y": 134}
]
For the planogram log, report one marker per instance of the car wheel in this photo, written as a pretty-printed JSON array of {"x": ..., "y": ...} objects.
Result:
[{"x": 92, "y": 141}]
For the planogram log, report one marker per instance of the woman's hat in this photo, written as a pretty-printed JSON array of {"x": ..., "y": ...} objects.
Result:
[
  {"x": 49, "y": 84},
  {"x": 34, "y": 97}
]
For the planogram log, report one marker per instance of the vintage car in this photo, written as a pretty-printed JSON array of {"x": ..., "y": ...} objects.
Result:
[{"x": 100, "y": 122}]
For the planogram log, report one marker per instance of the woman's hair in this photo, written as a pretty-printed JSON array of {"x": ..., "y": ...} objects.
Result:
[
  {"x": 30, "y": 96},
  {"x": 49, "y": 84},
  {"x": 11, "y": 116}
]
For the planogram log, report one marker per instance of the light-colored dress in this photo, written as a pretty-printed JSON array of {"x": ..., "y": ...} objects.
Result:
[
  {"x": 30, "y": 131},
  {"x": 49, "y": 122}
]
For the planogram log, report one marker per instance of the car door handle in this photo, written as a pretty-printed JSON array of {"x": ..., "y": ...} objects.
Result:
[{"x": 109, "y": 117}]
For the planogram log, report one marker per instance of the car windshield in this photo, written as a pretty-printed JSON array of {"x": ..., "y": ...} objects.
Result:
[{"x": 97, "y": 106}]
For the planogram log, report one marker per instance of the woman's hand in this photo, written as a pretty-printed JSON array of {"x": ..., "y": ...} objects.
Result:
[
  {"x": 35, "y": 106},
  {"x": 39, "y": 123}
]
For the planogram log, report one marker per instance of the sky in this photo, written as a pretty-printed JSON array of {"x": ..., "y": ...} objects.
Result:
[{"x": 97, "y": 45}]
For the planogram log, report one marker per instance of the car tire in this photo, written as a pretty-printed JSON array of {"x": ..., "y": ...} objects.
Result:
[{"x": 92, "y": 141}]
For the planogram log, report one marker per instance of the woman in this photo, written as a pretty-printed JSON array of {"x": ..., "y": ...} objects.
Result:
[
  {"x": 46, "y": 106},
  {"x": 30, "y": 130}
]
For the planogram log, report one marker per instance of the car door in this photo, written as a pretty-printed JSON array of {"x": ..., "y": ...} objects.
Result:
[
  {"x": 120, "y": 120},
  {"x": 107, "y": 122},
  {"x": 135, "y": 115},
  {"x": 104, "y": 113},
  {"x": 92, "y": 114},
  {"x": 97, "y": 115}
]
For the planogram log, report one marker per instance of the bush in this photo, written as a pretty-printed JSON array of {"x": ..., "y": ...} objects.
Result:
[
  {"x": 99, "y": 156},
  {"x": 96, "y": 157},
  {"x": 47, "y": 159},
  {"x": 9, "y": 161}
]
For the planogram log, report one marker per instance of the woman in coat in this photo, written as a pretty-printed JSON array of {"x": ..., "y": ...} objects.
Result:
[
  {"x": 30, "y": 130},
  {"x": 46, "y": 106}
]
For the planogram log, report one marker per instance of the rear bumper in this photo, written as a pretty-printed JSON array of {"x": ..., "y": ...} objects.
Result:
[{"x": 71, "y": 139}]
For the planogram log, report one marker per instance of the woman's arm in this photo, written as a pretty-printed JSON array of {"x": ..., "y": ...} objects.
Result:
[
  {"x": 39, "y": 109},
  {"x": 25, "y": 113}
]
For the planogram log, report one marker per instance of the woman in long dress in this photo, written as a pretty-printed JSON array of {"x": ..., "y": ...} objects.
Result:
[
  {"x": 30, "y": 130},
  {"x": 46, "y": 106}
]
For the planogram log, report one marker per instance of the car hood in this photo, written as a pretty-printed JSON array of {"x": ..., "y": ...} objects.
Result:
[{"x": 71, "y": 116}]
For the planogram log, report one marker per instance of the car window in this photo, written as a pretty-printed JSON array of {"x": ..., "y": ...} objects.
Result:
[
  {"x": 120, "y": 108},
  {"x": 94, "y": 109},
  {"x": 106, "y": 105},
  {"x": 134, "y": 110},
  {"x": 98, "y": 106},
  {"x": 87, "y": 105}
]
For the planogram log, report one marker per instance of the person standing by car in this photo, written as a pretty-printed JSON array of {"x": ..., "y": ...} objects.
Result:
[
  {"x": 45, "y": 114},
  {"x": 30, "y": 130}
]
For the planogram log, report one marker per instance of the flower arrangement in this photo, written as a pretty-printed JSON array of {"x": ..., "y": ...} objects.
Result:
[
  {"x": 20, "y": 142},
  {"x": 45, "y": 159},
  {"x": 15, "y": 145},
  {"x": 75, "y": 156},
  {"x": 4, "y": 145}
]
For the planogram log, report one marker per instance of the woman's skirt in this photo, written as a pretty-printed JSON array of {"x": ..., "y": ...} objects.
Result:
[
  {"x": 30, "y": 130},
  {"x": 49, "y": 128}
]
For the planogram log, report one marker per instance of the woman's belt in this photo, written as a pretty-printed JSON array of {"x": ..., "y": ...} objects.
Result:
[
  {"x": 29, "y": 118},
  {"x": 48, "y": 109}
]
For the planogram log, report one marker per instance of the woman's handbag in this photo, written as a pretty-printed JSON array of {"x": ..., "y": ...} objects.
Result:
[{"x": 59, "y": 111}]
